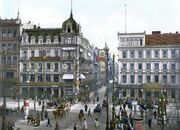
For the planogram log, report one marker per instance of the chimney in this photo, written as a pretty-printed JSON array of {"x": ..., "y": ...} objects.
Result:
[{"x": 156, "y": 32}]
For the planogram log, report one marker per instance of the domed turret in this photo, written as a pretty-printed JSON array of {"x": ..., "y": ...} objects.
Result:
[{"x": 70, "y": 25}]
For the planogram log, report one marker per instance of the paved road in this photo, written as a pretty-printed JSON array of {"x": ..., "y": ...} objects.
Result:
[{"x": 68, "y": 121}]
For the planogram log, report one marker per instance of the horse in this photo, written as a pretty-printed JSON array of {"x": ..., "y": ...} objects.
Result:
[{"x": 55, "y": 113}]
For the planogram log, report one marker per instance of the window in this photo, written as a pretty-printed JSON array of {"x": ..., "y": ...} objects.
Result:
[
  {"x": 9, "y": 75},
  {"x": 165, "y": 79},
  {"x": 24, "y": 67},
  {"x": 132, "y": 66},
  {"x": 32, "y": 77},
  {"x": 48, "y": 66},
  {"x": 56, "y": 67},
  {"x": 124, "y": 54},
  {"x": 148, "y": 79},
  {"x": 124, "y": 78},
  {"x": 32, "y": 66},
  {"x": 48, "y": 40},
  {"x": 148, "y": 66},
  {"x": 15, "y": 33},
  {"x": 32, "y": 53},
  {"x": 40, "y": 67},
  {"x": 173, "y": 66},
  {"x": 8, "y": 59},
  {"x": 131, "y": 54},
  {"x": 156, "y": 66},
  {"x": 132, "y": 79},
  {"x": 156, "y": 78},
  {"x": 148, "y": 54},
  {"x": 69, "y": 29},
  {"x": 173, "y": 53},
  {"x": 56, "y": 53},
  {"x": 9, "y": 34},
  {"x": 48, "y": 52},
  {"x": 164, "y": 53},
  {"x": 173, "y": 79},
  {"x": 9, "y": 47},
  {"x": 3, "y": 59},
  {"x": 140, "y": 66},
  {"x": 14, "y": 59},
  {"x": 40, "y": 53},
  {"x": 56, "y": 78},
  {"x": 124, "y": 66},
  {"x": 40, "y": 79},
  {"x": 14, "y": 47},
  {"x": 3, "y": 34},
  {"x": 164, "y": 67},
  {"x": 140, "y": 79},
  {"x": 3, "y": 46},
  {"x": 156, "y": 54},
  {"x": 69, "y": 40},
  {"x": 48, "y": 78},
  {"x": 24, "y": 77},
  {"x": 40, "y": 41},
  {"x": 140, "y": 53}
]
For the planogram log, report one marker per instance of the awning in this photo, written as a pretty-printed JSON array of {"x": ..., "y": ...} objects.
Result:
[
  {"x": 68, "y": 76},
  {"x": 82, "y": 76}
]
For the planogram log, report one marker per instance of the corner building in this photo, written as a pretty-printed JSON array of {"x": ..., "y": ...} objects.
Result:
[
  {"x": 10, "y": 32},
  {"x": 148, "y": 64},
  {"x": 55, "y": 62}
]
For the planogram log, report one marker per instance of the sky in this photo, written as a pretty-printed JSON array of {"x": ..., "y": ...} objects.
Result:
[{"x": 100, "y": 19}]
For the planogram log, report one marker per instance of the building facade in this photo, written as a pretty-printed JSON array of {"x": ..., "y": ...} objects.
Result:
[
  {"x": 55, "y": 62},
  {"x": 10, "y": 31},
  {"x": 149, "y": 64}
]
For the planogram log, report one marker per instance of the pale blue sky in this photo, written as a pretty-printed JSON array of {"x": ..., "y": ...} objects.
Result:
[{"x": 100, "y": 19}]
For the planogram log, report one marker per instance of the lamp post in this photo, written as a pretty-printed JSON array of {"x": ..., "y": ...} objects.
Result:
[
  {"x": 106, "y": 49},
  {"x": 4, "y": 127},
  {"x": 162, "y": 109},
  {"x": 113, "y": 108}
]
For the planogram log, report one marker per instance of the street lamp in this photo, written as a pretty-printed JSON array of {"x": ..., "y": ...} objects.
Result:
[
  {"x": 4, "y": 53},
  {"x": 106, "y": 49}
]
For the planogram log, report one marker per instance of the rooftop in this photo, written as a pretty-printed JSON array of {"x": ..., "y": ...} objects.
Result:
[{"x": 156, "y": 38}]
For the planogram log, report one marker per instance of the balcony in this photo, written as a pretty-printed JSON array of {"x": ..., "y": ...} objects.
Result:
[{"x": 45, "y": 59}]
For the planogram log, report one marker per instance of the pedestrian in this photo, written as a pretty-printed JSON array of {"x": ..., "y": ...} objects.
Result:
[
  {"x": 89, "y": 113},
  {"x": 85, "y": 107},
  {"x": 75, "y": 126},
  {"x": 57, "y": 126},
  {"x": 96, "y": 122},
  {"x": 46, "y": 114},
  {"x": 149, "y": 122},
  {"x": 39, "y": 103},
  {"x": 85, "y": 125},
  {"x": 48, "y": 122},
  {"x": 155, "y": 114},
  {"x": 121, "y": 126}
]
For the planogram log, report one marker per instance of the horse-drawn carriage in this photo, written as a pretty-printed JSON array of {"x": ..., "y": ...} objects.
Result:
[{"x": 62, "y": 110}]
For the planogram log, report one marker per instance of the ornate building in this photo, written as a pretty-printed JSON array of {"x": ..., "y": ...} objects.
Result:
[
  {"x": 10, "y": 31},
  {"x": 55, "y": 61},
  {"x": 148, "y": 64}
]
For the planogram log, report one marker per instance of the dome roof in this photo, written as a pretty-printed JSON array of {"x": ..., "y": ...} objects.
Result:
[{"x": 70, "y": 25}]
